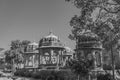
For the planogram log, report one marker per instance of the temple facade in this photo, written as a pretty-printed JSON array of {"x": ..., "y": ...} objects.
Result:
[{"x": 49, "y": 53}]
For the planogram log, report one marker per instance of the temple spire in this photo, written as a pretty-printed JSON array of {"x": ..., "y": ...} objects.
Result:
[{"x": 50, "y": 32}]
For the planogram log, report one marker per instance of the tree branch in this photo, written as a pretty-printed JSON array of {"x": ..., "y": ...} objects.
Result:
[
  {"x": 114, "y": 12},
  {"x": 98, "y": 15},
  {"x": 112, "y": 3}
]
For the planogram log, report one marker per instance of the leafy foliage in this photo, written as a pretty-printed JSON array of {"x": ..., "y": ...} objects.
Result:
[
  {"x": 101, "y": 17},
  {"x": 81, "y": 66},
  {"x": 8, "y": 57},
  {"x": 15, "y": 44},
  {"x": 47, "y": 74},
  {"x": 16, "y": 51},
  {"x": 104, "y": 77}
]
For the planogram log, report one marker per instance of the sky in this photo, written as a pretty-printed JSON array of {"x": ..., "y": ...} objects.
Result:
[{"x": 34, "y": 19}]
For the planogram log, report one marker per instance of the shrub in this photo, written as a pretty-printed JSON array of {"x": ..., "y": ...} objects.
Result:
[
  {"x": 50, "y": 78},
  {"x": 104, "y": 77},
  {"x": 28, "y": 73},
  {"x": 47, "y": 74},
  {"x": 20, "y": 72},
  {"x": 66, "y": 75},
  {"x": 107, "y": 67},
  {"x": 117, "y": 66},
  {"x": 36, "y": 75}
]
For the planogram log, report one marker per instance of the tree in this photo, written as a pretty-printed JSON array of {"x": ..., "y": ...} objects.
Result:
[
  {"x": 14, "y": 55},
  {"x": 15, "y": 44},
  {"x": 102, "y": 18},
  {"x": 1, "y": 60},
  {"x": 8, "y": 56},
  {"x": 80, "y": 67}
]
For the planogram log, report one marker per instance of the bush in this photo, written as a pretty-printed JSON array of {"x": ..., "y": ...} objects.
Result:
[
  {"x": 47, "y": 74},
  {"x": 104, "y": 77},
  {"x": 43, "y": 74},
  {"x": 36, "y": 75},
  {"x": 20, "y": 72},
  {"x": 51, "y": 67},
  {"x": 107, "y": 67},
  {"x": 28, "y": 73},
  {"x": 117, "y": 66},
  {"x": 50, "y": 78},
  {"x": 65, "y": 67},
  {"x": 53, "y": 74},
  {"x": 63, "y": 75}
]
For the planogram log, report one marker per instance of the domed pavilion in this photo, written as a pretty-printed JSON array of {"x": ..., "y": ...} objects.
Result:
[
  {"x": 89, "y": 47},
  {"x": 52, "y": 52}
]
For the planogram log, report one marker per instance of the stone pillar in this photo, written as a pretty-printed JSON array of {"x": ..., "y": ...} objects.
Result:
[
  {"x": 58, "y": 60},
  {"x": 101, "y": 58},
  {"x": 40, "y": 57},
  {"x": 27, "y": 60},
  {"x": 62, "y": 60},
  {"x": 51, "y": 54},
  {"x": 24, "y": 62},
  {"x": 119, "y": 53},
  {"x": 94, "y": 57},
  {"x": 61, "y": 57},
  {"x": 33, "y": 62}
]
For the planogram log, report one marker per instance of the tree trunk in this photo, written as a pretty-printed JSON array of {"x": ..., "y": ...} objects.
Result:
[
  {"x": 13, "y": 67},
  {"x": 113, "y": 64},
  {"x": 78, "y": 76}
]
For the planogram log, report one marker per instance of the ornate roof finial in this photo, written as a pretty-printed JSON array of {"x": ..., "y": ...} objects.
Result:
[
  {"x": 50, "y": 32},
  {"x": 33, "y": 40},
  {"x": 51, "y": 35}
]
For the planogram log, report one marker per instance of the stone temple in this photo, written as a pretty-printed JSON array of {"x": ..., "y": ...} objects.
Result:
[{"x": 49, "y": 53}]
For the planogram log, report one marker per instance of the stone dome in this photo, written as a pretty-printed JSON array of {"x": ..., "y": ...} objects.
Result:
[
  {"x": 88, "y": 36},
  {"x": 33, "y": 43},
  {"x": 89, "y": 40},
  {"x": 31, "y": 47},
  {"x": 52, "y": 36},
  {"x": 68, "y": 49},
  {"x": 50, "y": 41}
]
